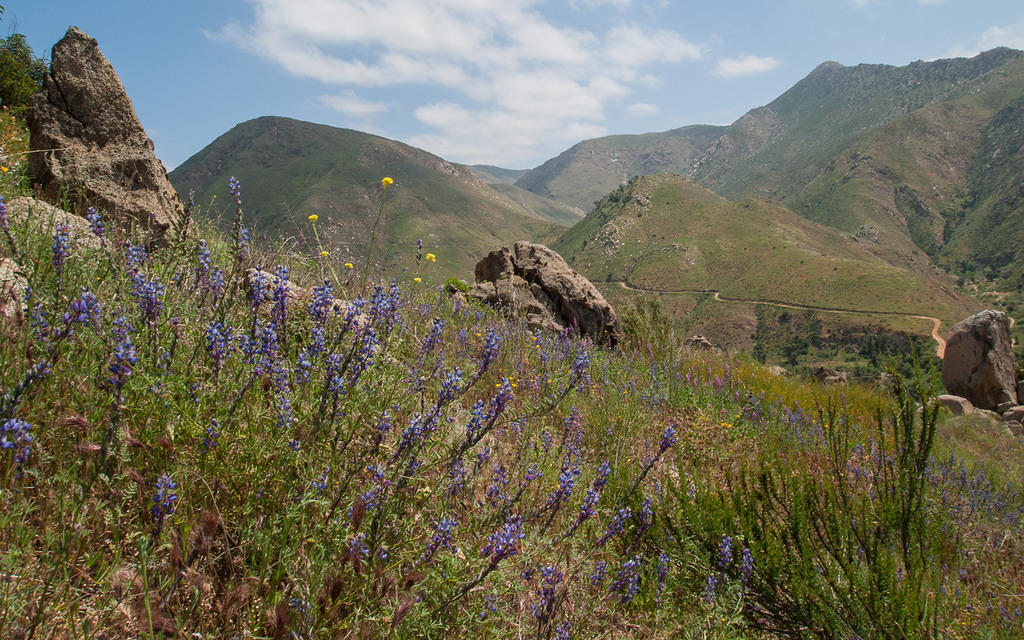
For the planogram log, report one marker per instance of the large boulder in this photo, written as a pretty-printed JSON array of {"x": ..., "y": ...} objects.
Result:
[
  {"x": 87, "y": 143},
  {"x": 532, "y": 280},
  {"x": 979, "y": 363}
]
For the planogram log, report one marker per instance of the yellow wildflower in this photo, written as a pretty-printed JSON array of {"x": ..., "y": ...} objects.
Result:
[
  {"x": 313, "y": 217},
  {"x": 348, "y": 265},
  {"x": 417, "y": 279},
  {"x": 386, "y": 182},
  {"x": 431, "y": 257},
  {"x": 324, "y": 253},
  {"x": 4, "y": 169}
]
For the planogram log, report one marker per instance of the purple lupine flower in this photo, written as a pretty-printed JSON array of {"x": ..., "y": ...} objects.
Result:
[
  {"x": 566, "y": 479},
  {"x": 279, "y": 315},
  {"x": 627, "y": 581},
  {"x": 212, "y": 435},
  {"x": 667, "y": 439},
  {"x": 617, "y": 525},
  {"x": 495, "y": 492},
  {"x": 442, "y": 538},
  {"x": 83, "y": 310},
  {"x": 546, "y": 589},
  {"x": 580, "y": 373},
  {"x": 14, "y": 435},
  {"x": 564, "y": 631},
  {"x": 163, "y": 501},
  {"x": 358, "y": 551},
  {"x": 709, "y": 588},
  {"x": 504, "y": 543},
  {"x": 5, "y": 224},
  {"x": 243, "y": 243},
  {"x": 746, "y": 566},
  {"x": 61, "y": 246},
  {"x": 124, "y": 359},
  {"x": 725, "y": 552},
  {"x": 149, "y": 296},
  {"x": 450, "y": 385},
  {"x": 134, "y": 257},
  {"x": 663, "y": 566},
  {"x": 95, "y": 222},
  {"x": 587, "y": 509},
  {"x": 203, "y": 261},
  {"x": 434, "y": 337},
  {"x": 491, "y": 345},
  {"x": 219, "y": 344},
  {"x": 321, "y": 302},
  {"x": 599, "y": 574}
]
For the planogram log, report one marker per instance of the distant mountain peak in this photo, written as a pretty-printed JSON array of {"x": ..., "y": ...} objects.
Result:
[{"x": 827, "y": 66}]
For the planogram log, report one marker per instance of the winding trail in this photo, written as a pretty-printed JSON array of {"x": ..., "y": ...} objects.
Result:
[{"x": 940, "y": 343}]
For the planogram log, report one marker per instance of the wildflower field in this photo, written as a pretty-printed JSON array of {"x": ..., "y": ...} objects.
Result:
[{"x": 191, "y": 448}]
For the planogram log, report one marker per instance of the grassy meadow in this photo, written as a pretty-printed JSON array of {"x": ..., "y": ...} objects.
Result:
[{"x": 190, "y": 451}]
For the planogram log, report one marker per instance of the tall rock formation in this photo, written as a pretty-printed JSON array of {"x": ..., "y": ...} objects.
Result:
[
  {"x": 90, "y": 144},
  {"x": 979, "y": 363}
]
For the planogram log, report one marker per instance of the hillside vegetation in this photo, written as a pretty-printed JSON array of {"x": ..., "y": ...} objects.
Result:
[
  {"x": 190, "y": 452},
  {"x": 666, "y": 234},
  {"x": 293, "y": 169}
]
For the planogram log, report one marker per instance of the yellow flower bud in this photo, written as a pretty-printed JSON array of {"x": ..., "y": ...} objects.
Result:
[
  {"x": 313, "y": 217},
  {"x": 386, "y": 182},
  {"x": 324, "y": 254},
  {"x": 348, "y": 265},
  {"x": 431, "y": 257},
  {"x": 417, "y": 280}
]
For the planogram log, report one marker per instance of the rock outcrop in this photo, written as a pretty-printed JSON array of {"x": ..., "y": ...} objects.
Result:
[
  {"x": 532, "y": 280},
  {"x": 827, "y": 375},
  {"x": 955, "y": 404},
  {"x": 13, "y": 286},
  {"x": 88, "y": 143},
  {"x": 979, "y": 363},
  {"x": 45, "y": 218}
]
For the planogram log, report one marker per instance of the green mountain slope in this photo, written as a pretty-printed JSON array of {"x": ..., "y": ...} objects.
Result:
[
  {"x": 664, "y": 233},
  {"x": 774, "y": 150},
  {"x": 589, "y": 170},
  {"x": 497, "y": 175},
  {"x": 290, "y": 169}
]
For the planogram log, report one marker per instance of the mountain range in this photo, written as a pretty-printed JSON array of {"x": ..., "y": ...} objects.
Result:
[{"x": 867, "y": 187}]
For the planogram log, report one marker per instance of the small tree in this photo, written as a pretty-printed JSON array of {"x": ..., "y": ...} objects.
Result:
[{"x": 21, "y": 72}]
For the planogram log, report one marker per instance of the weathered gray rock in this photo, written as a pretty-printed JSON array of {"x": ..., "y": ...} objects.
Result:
[
  {"x": 979, "y": 363},
  {"x": 1014, "y": 427},
  {"x": 534, "y": 281},
  {"x": 779, "y": 371},
  {"x": 12, "y": 290},
  {"x": 88, "y": 144},
  {"x": 826, "y": 375},
  {"x": 957, "y": 406},
  {"x": 1014, "y": 413},
  {"x": 45, "y": 218},
  {"x": 699, "y": 342}
]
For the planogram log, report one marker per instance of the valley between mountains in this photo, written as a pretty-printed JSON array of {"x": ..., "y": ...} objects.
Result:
[{"x": 862, "y": 201}]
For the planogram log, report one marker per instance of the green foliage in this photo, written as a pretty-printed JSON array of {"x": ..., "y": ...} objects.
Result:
[
  {"x": 217, "y": 460},
  {"x": 21, "y": 72},
  {"x": 646, "y": 325}
]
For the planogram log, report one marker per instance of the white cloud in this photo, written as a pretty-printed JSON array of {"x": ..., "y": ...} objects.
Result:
[
  {"x": 484, "y": 62},
  {"x": 351, "y": 104},
  {"x": 744, "y": 66},
  {"x": 1006, "y": 36},
  {"x": 642, "y": 110}
]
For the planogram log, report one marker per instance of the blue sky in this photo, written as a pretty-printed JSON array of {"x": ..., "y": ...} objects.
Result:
[{"x": 505, "y": 82}]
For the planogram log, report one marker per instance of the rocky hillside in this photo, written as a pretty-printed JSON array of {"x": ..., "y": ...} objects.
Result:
[
  {"x": 583, "y": 174},
  {"x": 919, "y": 162},
  {"x": 290, "y": 169},
  {"x": 666, "y": 235}
]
